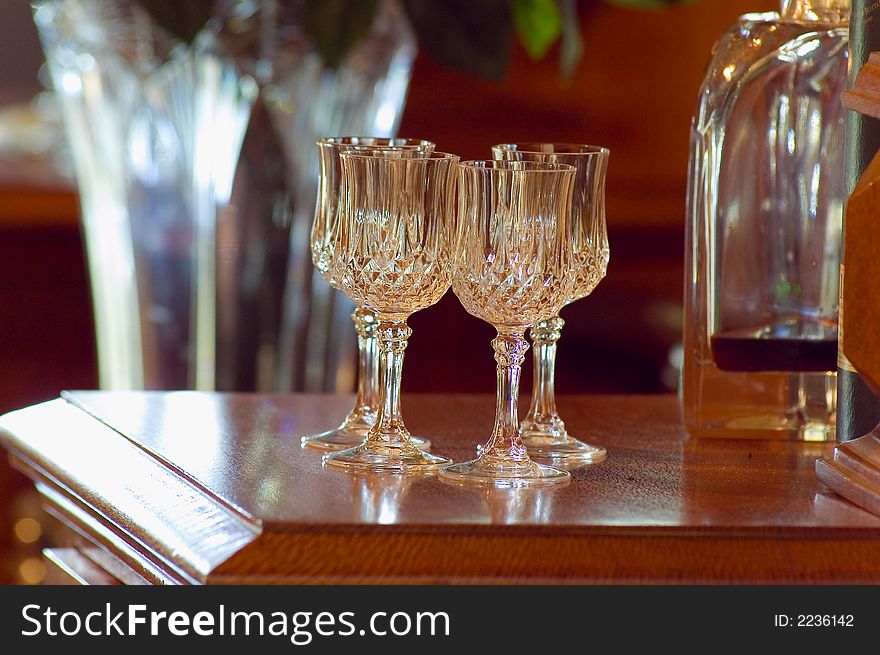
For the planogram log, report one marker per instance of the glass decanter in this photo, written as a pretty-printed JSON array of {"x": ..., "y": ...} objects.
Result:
[{"x": 765, "y": 203}]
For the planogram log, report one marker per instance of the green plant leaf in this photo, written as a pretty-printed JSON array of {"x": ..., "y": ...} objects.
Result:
[
  {"x": 472, "y": 36},
  {"x": 538, "y": 24},
  {"x": 183, "y": 20},
  {"x": 336, "y": 26}
]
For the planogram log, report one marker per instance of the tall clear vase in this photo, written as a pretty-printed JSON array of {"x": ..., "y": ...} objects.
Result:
[{"x": 195, "y": 166}]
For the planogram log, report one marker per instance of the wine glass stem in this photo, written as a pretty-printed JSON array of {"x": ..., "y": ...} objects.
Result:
[
  {"x": 389, "y": 426},
  {"x": 366, "y": 402},
  {"x": 510, "y": 349},
  {"x": 544, "y": 335}
]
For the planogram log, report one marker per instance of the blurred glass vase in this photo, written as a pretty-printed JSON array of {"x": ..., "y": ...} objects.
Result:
[
  {"x": 765, "y": 207},
  {"x": 196, "y": 169}
]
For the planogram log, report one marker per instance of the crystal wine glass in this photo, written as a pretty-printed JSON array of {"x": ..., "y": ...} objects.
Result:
[
  {"x": 389, "y": 251},
  {"x": 512, "y": 265},
  {"x": 354, "y": 428},
  {"x": 543, "y": 431}
]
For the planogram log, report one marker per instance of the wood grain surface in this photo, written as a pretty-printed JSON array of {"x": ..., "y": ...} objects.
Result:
[{"x": 189, "y": 487}]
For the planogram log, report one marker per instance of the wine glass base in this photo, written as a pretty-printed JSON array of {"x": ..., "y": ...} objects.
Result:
[
  {"x": 344, "y": 437},
  {"x": 523, "y": 474},
  {"x": 564, "y": 450},
  {"x": 402, "y": 458}
]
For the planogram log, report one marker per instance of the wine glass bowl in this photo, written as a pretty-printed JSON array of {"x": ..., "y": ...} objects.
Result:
[
  {"x": 362, "y": 417},
  {"x": 543, "y": 431},
  {"x": 513, "y": 264},
  {"x": 330, "y": 179},
  {"x": 389, "y": 252}
]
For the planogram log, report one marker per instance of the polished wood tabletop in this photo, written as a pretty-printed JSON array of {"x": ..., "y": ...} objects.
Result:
[{"x": 197, "y": 487}]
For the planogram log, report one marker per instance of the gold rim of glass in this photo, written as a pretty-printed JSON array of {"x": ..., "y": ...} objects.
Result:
[
  {"x": 377, "y": 142},
  {"x": 549, "y": 148}
]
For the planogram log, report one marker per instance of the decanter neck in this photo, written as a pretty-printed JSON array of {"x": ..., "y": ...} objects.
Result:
[{"x": 825, "y": 11}]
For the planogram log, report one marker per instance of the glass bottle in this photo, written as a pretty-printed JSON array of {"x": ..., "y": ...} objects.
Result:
[{"x": 765, "y": 204}]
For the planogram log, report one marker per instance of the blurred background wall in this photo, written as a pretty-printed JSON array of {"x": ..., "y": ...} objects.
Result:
[{"x": 633, "y": 92}]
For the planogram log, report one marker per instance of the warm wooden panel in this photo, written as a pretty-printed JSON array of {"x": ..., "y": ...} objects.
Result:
[{"x": 46, "y": 335}]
